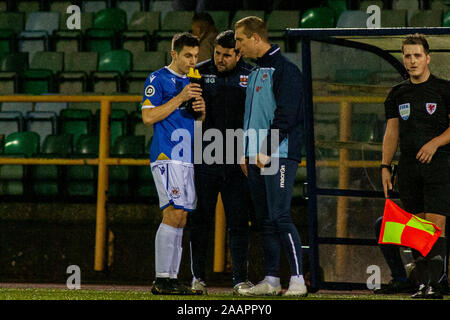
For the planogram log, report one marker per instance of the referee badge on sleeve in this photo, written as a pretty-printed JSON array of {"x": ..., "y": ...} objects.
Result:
[{"x": 404, "y": 110}]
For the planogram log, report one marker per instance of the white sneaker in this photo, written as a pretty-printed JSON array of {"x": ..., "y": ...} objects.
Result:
[
  {"x": 198, "y": 284},
  {"x": 296, "y": 290},
  {"x": 242, "y": 286},
  {"x": 263, "y": 288}
]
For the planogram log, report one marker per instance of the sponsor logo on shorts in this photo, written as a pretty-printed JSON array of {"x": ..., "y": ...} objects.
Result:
[
  {"x": 405, "y": 111},
  {"x": 431, "y": 107}
]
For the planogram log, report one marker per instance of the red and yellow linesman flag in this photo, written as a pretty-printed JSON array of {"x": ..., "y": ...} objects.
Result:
[{"x": 405, "y": 229}]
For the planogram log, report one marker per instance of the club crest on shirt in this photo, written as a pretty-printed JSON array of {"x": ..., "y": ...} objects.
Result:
[
  {"x": 175, "y": 193},
  {"x": 404, "y": 110},
  {"x": 243, "y": 81},
  {"x": 431, "y": 107}
]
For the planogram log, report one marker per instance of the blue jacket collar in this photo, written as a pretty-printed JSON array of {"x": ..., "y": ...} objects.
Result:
[{"x": 272, "y": 53}]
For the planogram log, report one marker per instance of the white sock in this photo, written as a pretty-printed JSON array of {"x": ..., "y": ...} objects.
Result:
[
  {"x": 164, "y": 249},
  {"x": 273, "y": 281},
  {"x": 297, "y": 280},
  {"x": 177, "y": 254}
]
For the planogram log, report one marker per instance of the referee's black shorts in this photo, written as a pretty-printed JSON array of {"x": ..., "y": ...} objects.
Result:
[{"x": 425, "y": 187}]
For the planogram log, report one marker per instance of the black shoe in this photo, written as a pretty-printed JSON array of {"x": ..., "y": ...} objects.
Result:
[
  {"x": 395, "y": 286},
  {"x": 420, "y": 294},
  {"x": 433, "y": 292},
  {"x": 179, "y": 289},
  {"x": 162, "y": 286}
]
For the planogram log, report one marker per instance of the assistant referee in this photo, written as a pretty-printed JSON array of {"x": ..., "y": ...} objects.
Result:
[{"x": 418, "y": 118}]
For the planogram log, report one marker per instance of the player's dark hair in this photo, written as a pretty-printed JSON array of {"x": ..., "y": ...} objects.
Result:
[
  {"x": 184, "y": 39},
  {"x": 417, "y": 39},
  {"x": 225, "y": 39}
]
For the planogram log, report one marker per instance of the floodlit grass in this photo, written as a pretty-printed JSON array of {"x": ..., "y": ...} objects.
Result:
[{"x": 86, "y": 294}]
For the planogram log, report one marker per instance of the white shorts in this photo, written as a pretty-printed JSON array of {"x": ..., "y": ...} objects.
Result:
[{"x": 175, "y": 184}]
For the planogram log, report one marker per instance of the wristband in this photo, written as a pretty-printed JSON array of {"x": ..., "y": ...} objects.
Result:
[{"x": 387, "y": 166}]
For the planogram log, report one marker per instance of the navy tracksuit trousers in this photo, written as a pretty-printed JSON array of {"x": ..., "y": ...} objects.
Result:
[
  {"x": 236, "y": 201},
  {"x": 271, "y": 195}
]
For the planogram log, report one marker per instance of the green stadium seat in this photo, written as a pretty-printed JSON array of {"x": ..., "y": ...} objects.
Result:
[
  {"x": 11, "y": 121},
  {"x": 122, "y": 178},
  {"x": 26, "y": 142},
  {"x": 146, "y": 188},
  {"x": 139, "y": 35},
  {"x": 81, "y": 180},
  {"x": 12, "y": 177},
  {"x": 426, "y": 18},
  {"x": 12, "y": 20},
  {"x": 47, "y": 180},
  {"x": 68, "y": 41},
  {"x": 54, "y": 61},
  {"x": 12, "y": 66},
  {"x": 277, "y": 23},
  {"x": 71, "y": 40},
  {"x": 352, "y": 19},
  {"x": 118, "y": 124},
  {"x": 78, "y": 66},
  {"x": 27, "y": 7},
  {"x": 143, "y": 64},
  {"x": 138, "y": 128},
  {"x": 7, "y": 40},
  {"x": 55, "y": 107},
  {"x": 93, "y": 5},
  {"x": 87, "y": 145},
  {"x": 37, "y": 81},
  {"x": 58, "y": 145},
  {"x": 130, "y": 7},
  {"x": 76, "y": 122},
  {"x": 338, "y": 7},
  {"x": 446, "y": 19},
  {"x": 318, "y": 18},
  {"x": 39, "y": 27},
  {"x": 145, "y": 21},
  {"x": 60, "y": 6},
  {"x": 112, "y": 66},
  {"x": 111, "y": 18},
  {"x": 103, "y": 36},
  {"x": 393, "y": 18},
  {"x": 173, "y": 22},
  {"x": 22, "y": 107},
  {"x": 43, "y": 123},
  {"x": 221, "y": 19},
  {"x": 100, "y": 40}
]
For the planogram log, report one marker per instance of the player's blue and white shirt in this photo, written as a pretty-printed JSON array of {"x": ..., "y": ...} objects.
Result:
[{"x": 173, "y": 137}]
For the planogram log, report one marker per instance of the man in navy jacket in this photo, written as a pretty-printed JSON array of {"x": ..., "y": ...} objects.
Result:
[
  {"x": 273, "y": 125},
  {"x": 224, "y": 82}
]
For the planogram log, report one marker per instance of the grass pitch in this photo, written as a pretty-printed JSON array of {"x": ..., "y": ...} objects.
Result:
[{"x": 111, "y": 294}]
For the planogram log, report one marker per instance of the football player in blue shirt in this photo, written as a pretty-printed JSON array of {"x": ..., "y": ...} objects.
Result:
[{"x": 164, "y": 105}]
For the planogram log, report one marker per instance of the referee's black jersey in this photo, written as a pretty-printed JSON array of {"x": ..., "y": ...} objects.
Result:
[{"x": 423, "y": 110}]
